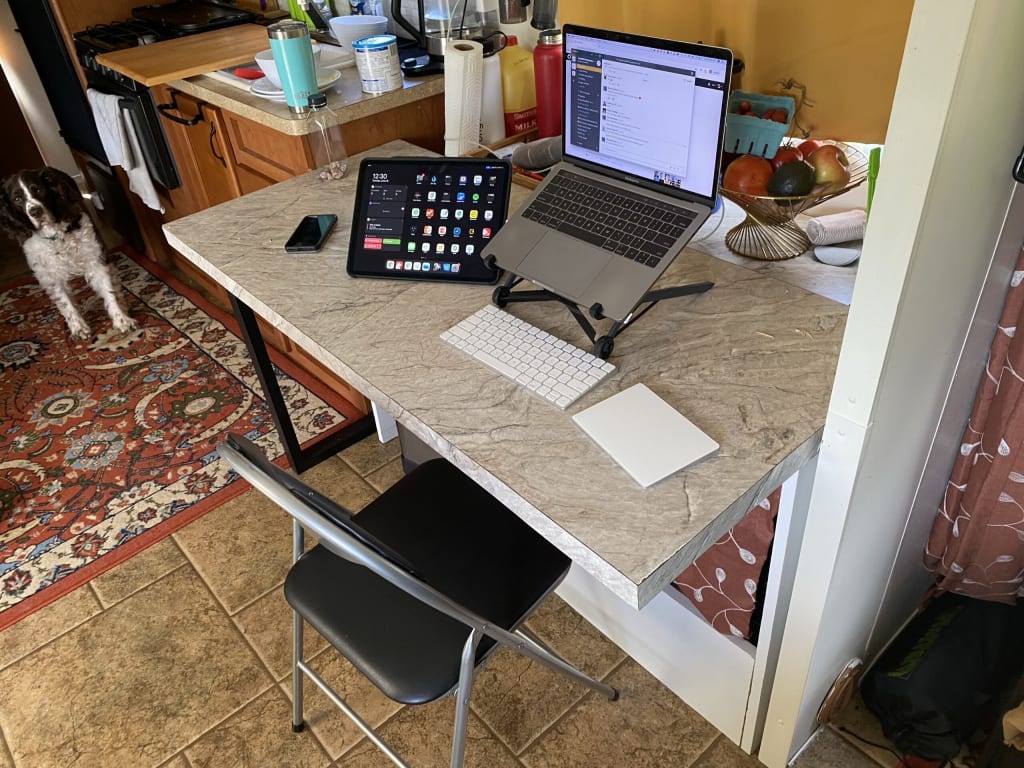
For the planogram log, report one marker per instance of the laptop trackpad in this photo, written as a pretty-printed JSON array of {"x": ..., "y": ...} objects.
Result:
[{"x": 564, "y": 265}]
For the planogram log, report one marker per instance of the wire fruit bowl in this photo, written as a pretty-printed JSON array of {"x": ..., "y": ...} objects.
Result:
[{"x": 769, "y": 231}]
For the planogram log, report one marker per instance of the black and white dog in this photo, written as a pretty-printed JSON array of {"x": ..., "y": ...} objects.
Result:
[{"x": 43, "y": 210}]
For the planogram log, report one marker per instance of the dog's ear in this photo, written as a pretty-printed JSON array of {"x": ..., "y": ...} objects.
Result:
[
  {"x": 12, "y": 221},
  {"x": 68, "y": 197}
]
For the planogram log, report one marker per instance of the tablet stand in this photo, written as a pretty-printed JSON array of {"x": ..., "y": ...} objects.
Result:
[{"x": 603, "y": 345}]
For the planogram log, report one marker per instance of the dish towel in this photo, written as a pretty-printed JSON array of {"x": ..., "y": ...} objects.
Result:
[{"x": 121, "y": 144}]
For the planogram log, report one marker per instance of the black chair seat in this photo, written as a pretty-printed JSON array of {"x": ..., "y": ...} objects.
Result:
[{"x": 434, "y": 517}]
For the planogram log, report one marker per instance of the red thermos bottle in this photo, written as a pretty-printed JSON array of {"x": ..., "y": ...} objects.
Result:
[{"x": 547, "y": 71}]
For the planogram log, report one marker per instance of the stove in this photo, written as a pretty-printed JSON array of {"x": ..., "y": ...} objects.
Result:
[{"x": 149, "y": 24}]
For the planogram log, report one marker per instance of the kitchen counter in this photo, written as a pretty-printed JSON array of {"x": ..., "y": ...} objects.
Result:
[{"x": 345, "y": 97}]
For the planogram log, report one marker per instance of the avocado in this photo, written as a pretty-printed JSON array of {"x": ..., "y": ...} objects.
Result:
[{"x": 793, "y": 179}]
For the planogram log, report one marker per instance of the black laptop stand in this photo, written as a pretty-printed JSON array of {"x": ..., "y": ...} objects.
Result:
[{"x": 603, "y": 345}]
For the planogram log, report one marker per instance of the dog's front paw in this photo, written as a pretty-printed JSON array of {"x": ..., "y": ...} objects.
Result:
[
  {"x": 124, "y": 324},
  {"x": 79, "y": 329}
]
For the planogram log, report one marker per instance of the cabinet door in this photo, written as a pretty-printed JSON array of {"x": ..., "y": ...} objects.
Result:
[
  {"x": 195, "y": 133},
  {"x": 261, "y": 153}
]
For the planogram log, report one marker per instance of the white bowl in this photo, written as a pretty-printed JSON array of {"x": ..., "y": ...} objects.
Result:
[
  {"x": 265, "y": 60},
  {"x": 346, "y": 29}
]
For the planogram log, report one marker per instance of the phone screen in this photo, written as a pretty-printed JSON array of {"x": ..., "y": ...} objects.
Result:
[{"x": 311, "y": 233}]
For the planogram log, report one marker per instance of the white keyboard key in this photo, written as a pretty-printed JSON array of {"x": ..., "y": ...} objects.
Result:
[{"x": 534, "y": 359}]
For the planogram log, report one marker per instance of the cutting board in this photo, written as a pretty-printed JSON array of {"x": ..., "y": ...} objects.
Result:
[{"x": 188, "y": 56}]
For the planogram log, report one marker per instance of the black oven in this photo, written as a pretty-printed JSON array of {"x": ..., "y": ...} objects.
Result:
[{"x": 150, "y": 24}]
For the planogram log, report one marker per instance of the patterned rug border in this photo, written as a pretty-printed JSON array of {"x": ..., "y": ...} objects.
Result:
[{"x": 163, "y": 530}]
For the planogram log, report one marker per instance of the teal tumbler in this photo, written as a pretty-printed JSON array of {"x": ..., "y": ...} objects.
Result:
[{"x": 293, "y": 55}]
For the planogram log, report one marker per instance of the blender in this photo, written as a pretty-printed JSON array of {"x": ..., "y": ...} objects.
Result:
[{"x": 440, "y": 21}]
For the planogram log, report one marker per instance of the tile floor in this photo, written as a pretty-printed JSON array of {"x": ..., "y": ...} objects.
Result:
[{"x": 179, "y": 658}]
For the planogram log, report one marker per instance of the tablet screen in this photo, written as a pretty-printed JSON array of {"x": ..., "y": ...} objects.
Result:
[{"x": 427, "y": 218}]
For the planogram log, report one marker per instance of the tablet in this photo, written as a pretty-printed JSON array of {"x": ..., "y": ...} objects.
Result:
[{"x": 428, "y": 218}]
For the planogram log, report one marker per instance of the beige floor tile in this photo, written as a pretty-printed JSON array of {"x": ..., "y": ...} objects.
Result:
[
  {"x": 138, "y": 571},
  {"x": 258, "y": 736},
  {"x": 6, "y": 761},
  {"x": 178, "y": 761},
  {"x": 338, "y": 481},
  {"x": 332, "y": 728},
  {"x": 856, "y": 719},
  {"x": 47, "y": 623},
  {"x": 724, "y": 754},
  {"x": 132, "y": 686},
  {"x": 830, "y": 750},
  {"x": 267, "y": 625},
  {"x": 558, "y": 625},
  {"x": 386, "y": 476},
  {"x": 422, "y": 736},
  {"x": 241, "y": 549},
  {"x": 647, "y": 726},
  {"x": 370, "y": 454},
  {"x": 519, "y": 698}
]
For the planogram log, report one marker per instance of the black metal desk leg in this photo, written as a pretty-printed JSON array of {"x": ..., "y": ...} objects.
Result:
[{"x": 301, "y": 458}]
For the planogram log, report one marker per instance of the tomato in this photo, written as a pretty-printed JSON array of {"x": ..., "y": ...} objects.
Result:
[
  {"x": 807, "y": 146},
  {"x": 748, "y": 175},
  {"x": 785, "y": 154}
]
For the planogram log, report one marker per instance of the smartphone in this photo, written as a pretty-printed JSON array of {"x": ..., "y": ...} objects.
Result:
[{"x": 311, "y": 233}]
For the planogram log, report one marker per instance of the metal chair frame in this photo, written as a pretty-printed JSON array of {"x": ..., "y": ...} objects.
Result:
[{"x": 306, "y": 517}]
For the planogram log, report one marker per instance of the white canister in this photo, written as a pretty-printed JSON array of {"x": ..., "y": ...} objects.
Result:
[{"x": 377, "y": 60}]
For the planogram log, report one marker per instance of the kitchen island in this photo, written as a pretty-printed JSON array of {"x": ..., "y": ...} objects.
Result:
[{"x": 750, "y": 362}]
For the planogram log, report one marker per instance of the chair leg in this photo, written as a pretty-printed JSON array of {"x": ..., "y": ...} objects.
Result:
[
  {"x": 466, "y": 669},
  {"x": 297, "y": 724}
]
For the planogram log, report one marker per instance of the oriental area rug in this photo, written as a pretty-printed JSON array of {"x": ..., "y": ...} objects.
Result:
[{"x": 109, "y": 445}]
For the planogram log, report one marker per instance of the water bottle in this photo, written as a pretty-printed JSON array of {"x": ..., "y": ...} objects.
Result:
[
  {"x": 548, "y": 72},
  {"x": 293, "y": 55},
  {"x": 325, "y": 141}
]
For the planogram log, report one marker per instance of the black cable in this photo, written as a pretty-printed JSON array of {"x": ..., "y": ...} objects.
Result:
[{"x": 872, "y": 743}]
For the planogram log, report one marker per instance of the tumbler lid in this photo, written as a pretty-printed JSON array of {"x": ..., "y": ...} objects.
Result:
[
  {"x": 550, "y": 37},
  {"x": 287, "y": 28}
]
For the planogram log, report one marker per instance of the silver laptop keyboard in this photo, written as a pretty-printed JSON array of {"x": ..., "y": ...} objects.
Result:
[
  {"x": 544, "y": 364},
  {"x": 631, "y": 225}
]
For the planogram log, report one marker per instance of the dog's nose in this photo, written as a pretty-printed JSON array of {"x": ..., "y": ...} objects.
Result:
[{"x": 35, "y": 211}]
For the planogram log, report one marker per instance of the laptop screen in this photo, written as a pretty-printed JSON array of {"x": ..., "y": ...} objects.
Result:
[{"x": 648, "y": 108}]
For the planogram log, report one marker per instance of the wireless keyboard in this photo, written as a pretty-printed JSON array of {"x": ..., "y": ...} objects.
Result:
[{"x": 544, "y": 364}]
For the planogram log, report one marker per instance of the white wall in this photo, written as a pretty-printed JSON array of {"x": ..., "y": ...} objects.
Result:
[
  {"x": 28, "y": 91},
  {"x": 956, "y": 126}
]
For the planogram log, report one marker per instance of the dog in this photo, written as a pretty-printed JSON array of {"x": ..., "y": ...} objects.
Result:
[{"x": 43, "y": 210}]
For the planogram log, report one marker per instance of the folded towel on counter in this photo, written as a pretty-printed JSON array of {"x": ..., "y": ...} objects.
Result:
[{"x": 121, "y": 144}]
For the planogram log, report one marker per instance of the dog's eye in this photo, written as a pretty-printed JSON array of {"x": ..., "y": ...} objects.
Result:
[{"x": 17, "y": 197}]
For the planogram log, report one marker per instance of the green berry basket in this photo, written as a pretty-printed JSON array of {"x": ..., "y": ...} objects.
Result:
[
  {"x": 752, "y": 135},
  {"x": 769, "y": 231}
]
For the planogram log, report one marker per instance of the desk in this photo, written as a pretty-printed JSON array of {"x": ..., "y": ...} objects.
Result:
[{"x": 750, "y": 362}]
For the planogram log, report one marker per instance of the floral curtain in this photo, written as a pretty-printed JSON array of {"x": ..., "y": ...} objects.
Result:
[{"x": 976, "y": 547}]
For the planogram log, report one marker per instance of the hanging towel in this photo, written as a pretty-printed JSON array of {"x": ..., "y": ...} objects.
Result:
[
  {"x": 106, "y": 110},
  {"x": 121, "y": 144},
  {"x": 139, "y": 180}
]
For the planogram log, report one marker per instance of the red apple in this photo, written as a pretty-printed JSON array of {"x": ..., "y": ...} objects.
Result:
[
  {"x": 785, "y": 154},
  {"x": 830, "y": 167}
]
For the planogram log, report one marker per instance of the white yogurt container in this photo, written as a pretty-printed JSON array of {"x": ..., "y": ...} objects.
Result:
[{"x": 377, "y": 61}]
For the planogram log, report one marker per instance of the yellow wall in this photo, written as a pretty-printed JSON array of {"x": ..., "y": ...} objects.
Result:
[{"x": 848, "y": 60}]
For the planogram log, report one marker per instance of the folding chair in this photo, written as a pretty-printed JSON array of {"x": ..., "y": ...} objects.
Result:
[{"x": 417, "y": 590}]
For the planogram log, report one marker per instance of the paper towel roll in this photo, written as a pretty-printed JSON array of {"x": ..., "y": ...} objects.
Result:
[
  {"x": 837, "y": 227},
  {"x": 463, "y": 78},
  {"x": 492, "y": 111}
]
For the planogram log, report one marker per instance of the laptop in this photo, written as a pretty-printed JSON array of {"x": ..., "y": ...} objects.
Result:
[{"x": 643, "y": 129}]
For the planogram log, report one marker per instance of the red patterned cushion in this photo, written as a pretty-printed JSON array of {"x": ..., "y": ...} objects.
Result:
[{"x": 723, "y": 583}]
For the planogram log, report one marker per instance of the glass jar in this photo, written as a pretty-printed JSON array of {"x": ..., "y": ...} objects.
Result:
[{"x": 325, "y": 141}]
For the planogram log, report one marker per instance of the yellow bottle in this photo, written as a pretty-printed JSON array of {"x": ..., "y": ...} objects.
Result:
[{"x": 519, "y": 92}]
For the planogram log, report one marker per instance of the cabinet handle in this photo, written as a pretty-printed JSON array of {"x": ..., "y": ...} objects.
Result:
[
  {"x": 213, "y": 149},
  {"x": 166, "y": 109}
]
